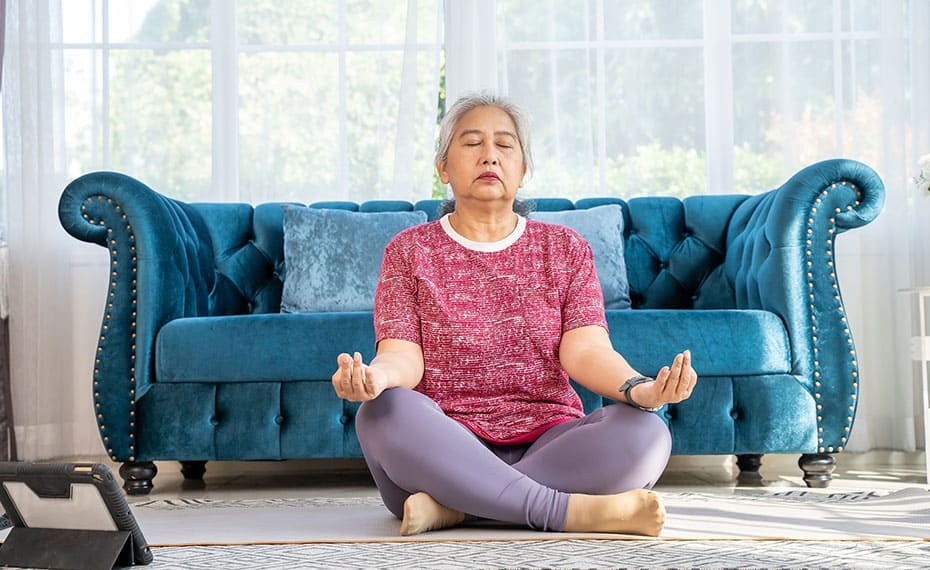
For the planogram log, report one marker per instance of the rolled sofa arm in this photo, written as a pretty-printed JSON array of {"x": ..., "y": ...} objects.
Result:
[
  {"x": 161, "y": 268},
  {"x": 780, "y": 258}
]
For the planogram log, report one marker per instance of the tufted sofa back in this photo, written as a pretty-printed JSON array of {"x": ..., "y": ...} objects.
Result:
[{"x": 674, "y": 249}]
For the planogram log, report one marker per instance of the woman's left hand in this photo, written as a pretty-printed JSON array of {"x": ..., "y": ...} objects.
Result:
[{"x": 672, "y": 384}]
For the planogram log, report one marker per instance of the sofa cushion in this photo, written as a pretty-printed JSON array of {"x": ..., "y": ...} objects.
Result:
[
  {"x": 332, "y": 257},
  {"x": 724, "y": 342},
  {"x": 254, "y": 348},
  {"x": 602, "y": 227},
  {"x": 295, "y": 347}
]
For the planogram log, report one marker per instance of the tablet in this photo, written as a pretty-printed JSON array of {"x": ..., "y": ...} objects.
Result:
[{"x": 74, "y": 503}]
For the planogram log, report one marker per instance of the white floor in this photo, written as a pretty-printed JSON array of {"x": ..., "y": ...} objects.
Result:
[{"x": 882, "y": 471}]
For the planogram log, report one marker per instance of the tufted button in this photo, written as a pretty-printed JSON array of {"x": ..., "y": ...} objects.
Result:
[
  {"x": 664, "y": 265},
  {"x": 669, "y": 413},
  {"x": 345, "y": 418},
  {"x": 214, "y": 421},
  {"x": 734, "y": 413},
  {"x": 279, "y": 419}
]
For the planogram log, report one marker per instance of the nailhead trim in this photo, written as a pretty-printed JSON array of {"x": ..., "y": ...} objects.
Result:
[
  {"x": 114, "y": 247},
  {"x": 836, "y": 297}
]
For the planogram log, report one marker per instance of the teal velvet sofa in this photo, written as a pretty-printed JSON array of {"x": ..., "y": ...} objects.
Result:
[{"x": 196, "y": 363}]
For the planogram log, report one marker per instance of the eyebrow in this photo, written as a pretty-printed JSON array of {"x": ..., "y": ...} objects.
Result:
[{"x": 480, "y": 132}]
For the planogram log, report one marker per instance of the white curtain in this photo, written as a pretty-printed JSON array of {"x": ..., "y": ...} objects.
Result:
[
  {"x": 669, "y": 97},
  {"x": 252, "y": 101},
  {"x": 258, "y": 100},
  {"x": 53, "y": 409}
]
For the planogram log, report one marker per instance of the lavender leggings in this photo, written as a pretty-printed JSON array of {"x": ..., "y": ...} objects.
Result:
[{"x": 410, "y": 445}]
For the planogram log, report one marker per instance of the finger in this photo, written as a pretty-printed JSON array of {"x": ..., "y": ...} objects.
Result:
[
  {"x": 661, "y": 379},
  {"x": 361, "y": 379},
  {"x": 676, "y": 365},
  {"x": 368, "y": 382},
  {"x": 673, "y": 382},
  {"x": 358, "y": 375},
  {"x": 342, "y": 373},
  {"x": 686, "y": 370}
]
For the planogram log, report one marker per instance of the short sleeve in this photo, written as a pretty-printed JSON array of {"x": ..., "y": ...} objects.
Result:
[
  {"x": 584, "y": 302},
  {"x": 395, "y": 313}
]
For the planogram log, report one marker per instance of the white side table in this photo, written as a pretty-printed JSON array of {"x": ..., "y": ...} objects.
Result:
[{"x": 920, "y": 350}]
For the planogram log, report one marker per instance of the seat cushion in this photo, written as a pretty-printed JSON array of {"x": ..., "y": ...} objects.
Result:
[
  {"x": 280, "y": 347},
  {"x": 722, "y": 342},
  {"x": 284, "y": 347}
]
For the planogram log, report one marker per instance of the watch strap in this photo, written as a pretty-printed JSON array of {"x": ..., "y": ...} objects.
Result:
[{"x": 628, "y": 386}]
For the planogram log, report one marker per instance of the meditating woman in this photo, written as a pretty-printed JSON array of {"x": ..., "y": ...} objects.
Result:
[{"x": 481, "y": 318}]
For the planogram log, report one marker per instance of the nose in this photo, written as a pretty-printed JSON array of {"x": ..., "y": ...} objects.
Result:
[{"x": 490, "y": 154}]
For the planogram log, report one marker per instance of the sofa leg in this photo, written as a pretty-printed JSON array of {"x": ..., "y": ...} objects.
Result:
[
  {"x": 193, "y": 470},
  {"x": 818, "y": 469},
  {"x": 137, "y": 477},
  {"x": 749, "y": 464}
]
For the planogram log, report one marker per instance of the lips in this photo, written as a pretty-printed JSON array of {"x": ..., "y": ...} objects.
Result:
[{"x": 489, "y": 176}]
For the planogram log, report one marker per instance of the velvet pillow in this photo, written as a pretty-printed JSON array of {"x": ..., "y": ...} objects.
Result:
[
  {"x": 602, "y": 227},
  {"x": 333, "y": 257}
]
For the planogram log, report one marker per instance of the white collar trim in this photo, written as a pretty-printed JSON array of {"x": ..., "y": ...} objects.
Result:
[{"x": 486, "y": 247}]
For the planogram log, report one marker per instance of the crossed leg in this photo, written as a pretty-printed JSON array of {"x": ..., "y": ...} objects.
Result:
[{"x": 586, "y": 475}]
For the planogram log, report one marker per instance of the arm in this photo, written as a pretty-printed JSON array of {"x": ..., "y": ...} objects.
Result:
[
  {"x": 161, "y": 268},
  {"x": 780, "y": 258},
  {"x": 398, "y": 364},
  {"x": 588, "y": 357}
]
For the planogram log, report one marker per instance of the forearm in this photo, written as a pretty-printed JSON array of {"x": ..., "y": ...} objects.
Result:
[
  {"x": 601, "y": 370},
  {"x": 401, "y": 362}
]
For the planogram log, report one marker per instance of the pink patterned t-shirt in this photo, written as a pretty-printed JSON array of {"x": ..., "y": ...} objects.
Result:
[{"x": 489, "y": 318}]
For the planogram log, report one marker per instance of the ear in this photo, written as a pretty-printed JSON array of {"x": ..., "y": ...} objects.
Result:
[{"x": 441, "y": 169}]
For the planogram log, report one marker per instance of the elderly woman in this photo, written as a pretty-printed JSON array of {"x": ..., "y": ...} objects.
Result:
[{"x": 481, "y": 318}]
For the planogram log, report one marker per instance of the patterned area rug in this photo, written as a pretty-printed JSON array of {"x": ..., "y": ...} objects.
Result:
[
  {"x": 796, "y": 515},
  {"x": 750, "y": 529},
  {"x": 551, "y": 554}
]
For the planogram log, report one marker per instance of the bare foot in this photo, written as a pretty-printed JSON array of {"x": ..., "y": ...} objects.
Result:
[
  {"x": 634, "y": 512},
  {"x": 422, "y": 514}
]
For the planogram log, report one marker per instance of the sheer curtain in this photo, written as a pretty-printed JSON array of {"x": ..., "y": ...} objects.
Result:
[
  {"x": 252, "y": 101},
  {"x": 666, "y": 97},
  {"x": 257, "y": 100}
]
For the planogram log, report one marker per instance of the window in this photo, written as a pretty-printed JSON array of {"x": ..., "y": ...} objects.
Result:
[
  {"x": 258, "y": 100},
  {"x": 254, "y": 100},
  {"x": 633, "y": 97}
]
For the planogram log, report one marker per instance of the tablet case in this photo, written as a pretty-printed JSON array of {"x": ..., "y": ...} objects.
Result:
[{"x": 68, "y": 516}]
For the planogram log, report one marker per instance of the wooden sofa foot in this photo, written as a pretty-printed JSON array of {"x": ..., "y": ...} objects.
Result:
[
  {"x": 749, "y": 464},
  {"x": 193, "y": 470},
  {"x": 818, "y": 469},
  {"x": 137, "y": 477}
]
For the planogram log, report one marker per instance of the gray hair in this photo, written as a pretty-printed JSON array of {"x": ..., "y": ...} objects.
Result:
[{"x": 472, "y": 101}]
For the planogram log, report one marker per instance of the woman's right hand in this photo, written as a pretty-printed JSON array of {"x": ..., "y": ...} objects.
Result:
[{"x": 356, "y": 382}]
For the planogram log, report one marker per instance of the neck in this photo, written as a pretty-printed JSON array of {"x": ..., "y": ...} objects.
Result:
[{"x": 486, "y": 226}]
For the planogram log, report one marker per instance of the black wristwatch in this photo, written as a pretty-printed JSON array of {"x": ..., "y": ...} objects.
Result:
[{"x": 628, "y": 386}]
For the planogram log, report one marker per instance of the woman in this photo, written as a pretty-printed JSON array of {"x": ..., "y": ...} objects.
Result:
[{"x": 481, "y": 317}]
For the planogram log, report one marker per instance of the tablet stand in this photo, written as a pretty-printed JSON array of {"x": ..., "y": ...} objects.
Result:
[{"x": 64, "y": 549}]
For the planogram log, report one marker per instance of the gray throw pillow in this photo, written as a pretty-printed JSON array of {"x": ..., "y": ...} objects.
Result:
[
  {"x": 602, "y": 227},
  {"x": 333, "y": 257}
]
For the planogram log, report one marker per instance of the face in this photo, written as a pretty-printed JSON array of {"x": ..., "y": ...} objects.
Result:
[{"x": 485, "y": 160}]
